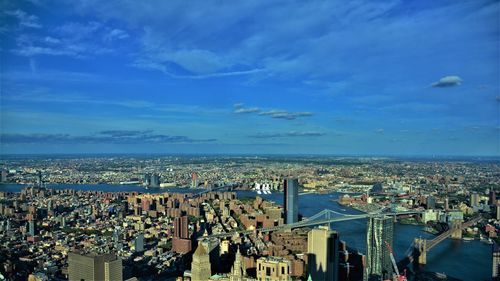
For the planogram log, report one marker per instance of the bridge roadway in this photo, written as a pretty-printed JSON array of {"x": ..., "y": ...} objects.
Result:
[
  {"x": 308, "y": 222},
  {"x": 438, "y": 239}
]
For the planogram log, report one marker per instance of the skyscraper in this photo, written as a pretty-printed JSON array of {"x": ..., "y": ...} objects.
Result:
[
  {"x": 200, "y": 267},
  {"x": 32, "y": 231},
  {"x": 291, "y": 204},
  {"x": 323, "y": 254},
  {"x": 474, "y": 199},
  {"x": 94, "y": 267},
  {"x": 431, "y": 202},
  {"x": 139, "y": 243},
  {"x": 181, "y": 242},
  {"x": 181, "y": 227},
  {"x": 238, "y": 269},
  {"x": 492, "y": 198},
  {"x": 155, "y": 180},
  {"x": 495, "y": 251},
  {"x": 379, "y": 235}
]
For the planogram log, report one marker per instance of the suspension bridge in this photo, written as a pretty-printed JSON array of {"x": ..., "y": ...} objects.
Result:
[{"x": 324, "y": 217}]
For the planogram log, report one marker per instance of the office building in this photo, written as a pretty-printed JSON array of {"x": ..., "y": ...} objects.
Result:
[
  {"x": 273, "y": 269},
  {"x": 32, "y": 231},
  {"x": 238, "y": 269},
  {"x": 155, "y": 180},
  {"x": 379, "y": 238},
  {"x": 431, "y": 202},
  {"x": 474, "y": 199},
  {"x": 200, "y": 267},
  {"x": 291, "y": 204},
  {"x": 495, "y": 251},
  {"x": 323, "y": 254},
  {"x": 94, "y": 267},
  {"x": 181, "y": 242},
  {"x": 139, "y": 243},
  {"x": 194, "y": 180},
  {"x": 492, "y": 198}
]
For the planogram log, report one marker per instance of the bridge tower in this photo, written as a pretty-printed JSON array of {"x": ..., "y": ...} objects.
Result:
[
  {"x": 456, "y": 229},
  {"x": 420, "y": 250}
]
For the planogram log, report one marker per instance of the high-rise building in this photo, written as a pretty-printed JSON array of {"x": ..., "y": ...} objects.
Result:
[
  {"x": 181, "y": 229},
  {"x": 4, "y": 174},
  {"x": 495, "y": 252},
  {"x": 431, "y": 202},
  {"x": 94, "y": 267},
  {"x": 446, "y": 204},
  {"x": 379, "y": 236},
  {"x": 291, "y": 204},
  {"x": 146, "y": 180},
  {"x": 194, "y": 180},
  {"x": 474, "y": 199},
  {"x": 323, "y": 254},
  {"x": 273, "y": 269},
  {"x": 32, "y": 231},
  {"x": 155, "y": 180},
  {"x": 201, "y": 267},
  {"x": 139, "y": 243},
  {"x": 492, "y": 198},
  {"x": 238, "y": 269}
]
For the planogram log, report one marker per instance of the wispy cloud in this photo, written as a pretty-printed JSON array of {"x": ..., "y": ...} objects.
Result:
[
  {"x": 447, "y": 81},
  {"x": 288, "y": 134},
  {"x": 282, "y": 114},
  {"x": 240, "y": 108},
  {"x": 110, "y": 137},
  {"x": 25, "y": 20}
]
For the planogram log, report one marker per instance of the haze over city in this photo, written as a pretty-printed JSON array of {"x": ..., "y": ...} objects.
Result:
[{"x": 286, "y": 77}]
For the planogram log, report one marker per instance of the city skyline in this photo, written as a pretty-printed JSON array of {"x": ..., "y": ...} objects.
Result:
[{"x": 357, "y": 78}]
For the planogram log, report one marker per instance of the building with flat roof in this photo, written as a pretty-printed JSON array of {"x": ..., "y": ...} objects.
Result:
[
  {"x": 93, "y": 267},
  {"x": 273, "y": 269},
  {"x": 379, "y": 236},
  {"x": 291, "y": 200},
  {"x": 323, "y": 254}
]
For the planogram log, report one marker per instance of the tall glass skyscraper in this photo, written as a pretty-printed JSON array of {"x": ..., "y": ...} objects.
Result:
[
  {"x": 380, "y": 232},
  {"x": 291, "y": 200}
]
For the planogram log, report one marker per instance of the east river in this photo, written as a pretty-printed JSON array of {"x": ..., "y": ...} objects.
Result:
[{"x": 465, "y": 260}]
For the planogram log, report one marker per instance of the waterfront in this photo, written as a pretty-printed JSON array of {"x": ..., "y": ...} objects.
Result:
[{"x": 448, "y": 257}]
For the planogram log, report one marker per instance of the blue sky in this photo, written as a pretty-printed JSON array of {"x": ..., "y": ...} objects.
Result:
[{"x": 308, "y": 77}]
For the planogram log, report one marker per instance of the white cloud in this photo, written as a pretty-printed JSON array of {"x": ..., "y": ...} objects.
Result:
[
  {"x": 25, "y": 19},
  {"x": 447, "y": 81}
]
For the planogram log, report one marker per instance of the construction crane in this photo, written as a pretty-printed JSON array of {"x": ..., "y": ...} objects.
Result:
[{"x": 396, "y": 270}]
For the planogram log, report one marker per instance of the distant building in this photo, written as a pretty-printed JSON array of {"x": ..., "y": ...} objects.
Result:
[
  {"x": 155, "y": 180},
  {"x": 194, "y": 180},
  {"x": 32, "y": 231},
  {"x": 496, "y": 261},
  {"x": 273, "y": 269},
  {"x": 3, "y": 177},
  {"x": 431, "y": 202},
  {"x": 379, "y": 234},
  {"x": 474, "y": 199},
  {"x": 93, "y": 267},
  {"x": 323, "y": 254},
  {"x": 492, "y": 198},
  {"x": 376, "y": 188},
  {"x": 139, "y": 243},
  {"x": 291, "y": 204},
  {"x": 200, "y": 267},
  {"x": 146, "y": 180}
]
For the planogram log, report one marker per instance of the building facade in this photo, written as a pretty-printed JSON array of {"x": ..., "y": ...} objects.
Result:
[
  {"x": 379, "y": 237},
  {"x": 323, "y": 254},
  {"x": 93, "y": 267},
  {"x": 291, "y": 204},
  {"x": 201, "y": 267},
  {"x": 273, "y": 269}
]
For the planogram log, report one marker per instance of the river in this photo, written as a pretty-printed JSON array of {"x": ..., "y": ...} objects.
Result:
[{"x": 469, "y": 260}]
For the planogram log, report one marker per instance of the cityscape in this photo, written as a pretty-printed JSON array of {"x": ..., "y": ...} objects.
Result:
[
  {"x": 247, "y": 218},
  {"x": 249, "y": 140}
]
